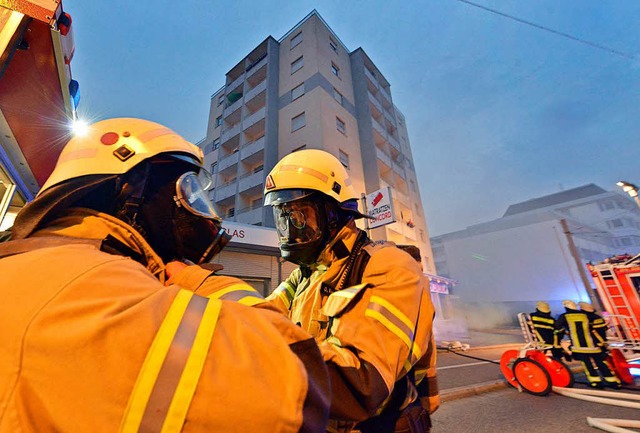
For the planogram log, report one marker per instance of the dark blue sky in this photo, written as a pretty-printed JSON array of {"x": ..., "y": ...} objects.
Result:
[{"x": 498, "y": 111}]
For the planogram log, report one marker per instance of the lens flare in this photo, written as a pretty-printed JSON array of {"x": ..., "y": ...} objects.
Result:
[{"x": 79, "y": 128}]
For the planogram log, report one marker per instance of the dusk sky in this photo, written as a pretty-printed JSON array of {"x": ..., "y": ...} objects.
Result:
[{"x": 498, "y": 110}]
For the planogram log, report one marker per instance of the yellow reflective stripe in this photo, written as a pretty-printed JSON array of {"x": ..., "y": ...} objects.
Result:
[
  {"x": 283, "y": 297},
  {"x": 153, "y": 363},
  {"x": 542, "y": 319},
  {"x": 193, "y": 369},
  {"x": 389, "y": 325},
  {"x": 307, "y": 170},
  {"x": 232, "y": 288},
  {"x": 416, "y": 352},
  {"x": 399, "y": 314},
  {"x": 250, "y": 301},
  {"x": 539, "y": 326},
  {"x": 290, "y": 290}
]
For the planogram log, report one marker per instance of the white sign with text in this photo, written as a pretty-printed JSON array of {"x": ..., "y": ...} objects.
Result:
[{"x": 380, "y": 206}]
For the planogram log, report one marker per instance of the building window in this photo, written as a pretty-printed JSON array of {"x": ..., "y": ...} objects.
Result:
[
  {"x": 297, "y": 122},
  {"x": 333, "y": 45},
  {"x": 344, "y": 158},
  {"x": 231, "y": 212},
  {"x": 422, "y": 236},
  {"x": 220, "y": 100},
  {"x": 297, "y": 64},
  {"x": 606, "y": 205},
  {"x": 615, "y": 223},
  {"x": 335, "y": 70},
  {"x": 297, "y": 92},
  {"x": 296, "y": 40},
  {"x": 213, "y": 167},
  {"x": 258, "y": 168},
  {"x": 337, "y": 96},
  {"x": 218, "y": 121},
  {"x": 340, "y": 126},
  {"x": 216, "y": 143},
  {"x": 413, "y": 185},
  {"x": 304, "y": 146}
]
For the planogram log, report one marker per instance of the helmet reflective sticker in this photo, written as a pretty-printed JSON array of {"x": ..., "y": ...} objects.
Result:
[{"x": 193, "y": 197}]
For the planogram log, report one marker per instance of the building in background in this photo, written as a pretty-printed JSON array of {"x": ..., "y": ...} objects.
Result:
[
  {"x": 38, "y": 97},
  {"x": 536, "y": 251},
  {"x": 307, "y": 90}
]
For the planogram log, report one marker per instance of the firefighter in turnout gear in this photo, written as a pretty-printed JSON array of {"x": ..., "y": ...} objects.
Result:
[
  {"x": 109, "y": 330},
  {"x": 585, "y": 345},
  {"x": 543, "y": 325},
  {"x": 367, "y": 303}
]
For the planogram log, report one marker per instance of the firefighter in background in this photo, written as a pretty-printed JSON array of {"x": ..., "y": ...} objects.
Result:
[
  {"x": 599, "y": 330},
  {"x": 584, "y": 346},
  {"x": 367, "y": 303},
  {"x": 543, "y": 327},
  {"x": 108, "y": 330}
]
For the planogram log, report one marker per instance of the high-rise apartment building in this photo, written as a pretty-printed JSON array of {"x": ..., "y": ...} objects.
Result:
[{"x": 308, "y": 90}]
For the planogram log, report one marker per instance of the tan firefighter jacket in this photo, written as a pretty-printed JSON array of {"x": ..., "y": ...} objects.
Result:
[
  {"x": 370, "y": 334},
  {"x": 93, "y": 341}
]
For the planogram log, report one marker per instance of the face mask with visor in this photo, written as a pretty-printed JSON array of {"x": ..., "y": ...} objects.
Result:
[{"x": 200, "y": 234}]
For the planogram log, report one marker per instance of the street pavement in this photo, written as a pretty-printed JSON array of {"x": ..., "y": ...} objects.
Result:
[{"x": 476, "y": 398}]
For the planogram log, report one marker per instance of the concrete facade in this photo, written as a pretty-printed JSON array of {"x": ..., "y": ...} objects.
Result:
[{"x": 308, "y": 90}]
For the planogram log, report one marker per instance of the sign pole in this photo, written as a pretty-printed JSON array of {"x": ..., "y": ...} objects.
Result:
[{"x": 363, "y": 197}]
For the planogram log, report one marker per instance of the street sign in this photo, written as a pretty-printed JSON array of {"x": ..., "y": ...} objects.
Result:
[{"x": 380, "y": 207}]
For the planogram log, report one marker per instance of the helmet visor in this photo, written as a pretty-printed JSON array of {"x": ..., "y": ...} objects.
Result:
[
  {"x": 286, "y": 195},
  {"x": 297, "y": 222},
  {"x": 193, "y": 196}
]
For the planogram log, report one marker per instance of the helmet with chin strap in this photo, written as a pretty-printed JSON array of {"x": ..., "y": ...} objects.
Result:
[{"x": 147, "y": 175}]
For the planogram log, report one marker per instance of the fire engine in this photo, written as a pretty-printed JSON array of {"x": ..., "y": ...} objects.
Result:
[{"x": 38, "y": 96}]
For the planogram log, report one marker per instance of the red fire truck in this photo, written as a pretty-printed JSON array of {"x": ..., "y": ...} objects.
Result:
[
  {"x": 618, "y": 284},
  {"x": 38, "y": 96}
]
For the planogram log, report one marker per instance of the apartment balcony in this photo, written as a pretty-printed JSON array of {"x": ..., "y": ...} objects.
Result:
[
  {"x": 255, "y": 67},
  {"x": 401, "y": 197},
  {"x": 251, "y": 216},
  {"x": 386, "y": 160},
  {"x": 254, "y": 118},
  {"x": 230, "y": 132},
  {"x": 228, "y": 161},
  {"x": 408, "y": 232},
  {"x": 374, "y": 101},
  {"x": 223, "y": 193},
  {"x": 234, "y": 84},
  {"x": 379, "y": 128},
  {"x": 252, "y": 182},
  {"x": 231, "y": 109},
  {"x": 370, "y": 76},
  {"x": 255, "y": 91},
  {"x": 393, "y": 142},
  {"x": 389, "y": 117},
  {"x": 386, "y": 98},
  {"x": 398, "y": 169},
  {"x": 252, "y": 148}
]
